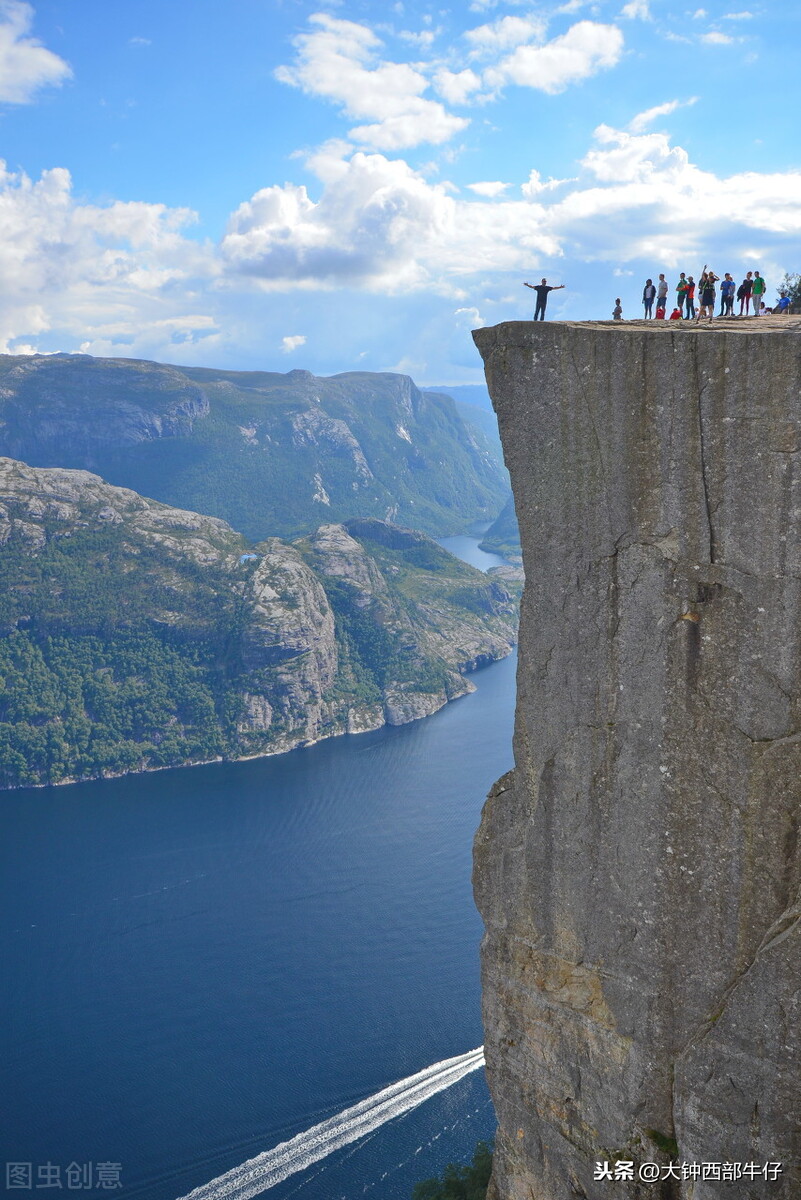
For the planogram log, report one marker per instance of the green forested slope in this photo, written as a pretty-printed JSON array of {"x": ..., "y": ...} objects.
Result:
[
  {"x": 132, "y": 637},
  {"x": 271, "y": 454}
]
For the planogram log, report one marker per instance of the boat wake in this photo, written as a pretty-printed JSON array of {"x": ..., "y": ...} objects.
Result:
[{"x": 273, "y": 1166}]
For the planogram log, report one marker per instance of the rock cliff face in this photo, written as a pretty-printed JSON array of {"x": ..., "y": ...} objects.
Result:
[{"x": 638, "y": 872}]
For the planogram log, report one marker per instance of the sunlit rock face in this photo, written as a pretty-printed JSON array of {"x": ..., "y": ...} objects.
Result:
[{"x": 638, "y": 872}]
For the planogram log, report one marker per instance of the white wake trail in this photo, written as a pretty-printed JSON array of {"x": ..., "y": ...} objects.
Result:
[{"x": 273, "y": 1166}]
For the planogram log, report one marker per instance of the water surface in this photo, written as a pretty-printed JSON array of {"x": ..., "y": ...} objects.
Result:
[{"x": 201, "y": 963}]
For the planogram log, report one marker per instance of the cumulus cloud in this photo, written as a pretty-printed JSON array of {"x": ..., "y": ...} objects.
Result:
[
  {"x": 456, "y": 86},
  {"x": 292, "y": 342},
  {"x": 25, "y": 64},
  {"x": 339, "y": 62},
  {"x": 504, "y": 34},
  {"x": 117, "y": 270},
  {"x": 582, "y": 51},
  {"x": 378, "y": 224}
]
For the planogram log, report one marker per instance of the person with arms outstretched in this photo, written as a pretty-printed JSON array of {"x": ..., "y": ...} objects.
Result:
[{"x": 542, "y": 290}]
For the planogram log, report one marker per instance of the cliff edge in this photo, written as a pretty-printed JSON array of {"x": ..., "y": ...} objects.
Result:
[{"x": 638, "y": 872}]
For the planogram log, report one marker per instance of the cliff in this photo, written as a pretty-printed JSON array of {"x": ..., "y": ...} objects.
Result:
[
  {"x": 134, "y": 635},
  {"x": 638, "y": 871},
  {"x": 269, "y": 453}
]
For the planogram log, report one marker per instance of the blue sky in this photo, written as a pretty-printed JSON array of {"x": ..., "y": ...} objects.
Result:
[{"x": 354, "y": 185}]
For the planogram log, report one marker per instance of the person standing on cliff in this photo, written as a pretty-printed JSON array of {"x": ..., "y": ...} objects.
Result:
[
  {"x": 661, "y": 295},
  {"x": 542, "y": 290},
  {"x": 727, "y": 296},
  {"x": 706, "y": 286},
  {"x": 648, "y": 293},
  {"x": 681, "y": 291},
  {"x": 744, "y": 293},
  {"x": 758, "y": 288},
  {"x": 690, "y": 306}
]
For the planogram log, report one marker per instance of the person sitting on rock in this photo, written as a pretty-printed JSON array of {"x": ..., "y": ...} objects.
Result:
[
  {"x": 782, "y": 304},
  {"x": 675, "y": 315}
]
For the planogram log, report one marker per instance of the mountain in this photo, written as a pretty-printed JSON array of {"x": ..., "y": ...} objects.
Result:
[
  {"x": 503, "y": 535},
  {"x": 271, "y": 454},
  {"x": 136, "y": 635}
]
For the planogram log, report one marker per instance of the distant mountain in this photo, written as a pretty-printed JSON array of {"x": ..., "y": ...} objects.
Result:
[
  {"x": 503, "y": 535},
  {"x": 269, "y": 453},
  {"x": 135, "y": 635}
]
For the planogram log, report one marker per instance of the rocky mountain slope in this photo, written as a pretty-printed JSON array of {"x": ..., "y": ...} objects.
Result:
[
  {"x": 639, "y": 872},
  {"x": 271, "y": 454},
  {"x": 135, "y": 635},
  {"x": 503, "y": 535}
]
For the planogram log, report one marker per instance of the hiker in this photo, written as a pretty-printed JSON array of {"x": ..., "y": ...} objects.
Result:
[
  {"x": 648, "y": 293},
  {"x": 758, "y": 289},
  {"x": 675, "y": 315},
  {"x": 744, "y": 292},
  {"x": 783, "y": 304},
  {"x": 727, "y": 296},
  {"x": 661, "y": 295},
  {"x": 681, "y": 291},
  {"x": 706, "y": 286},
  {"x": 542, "y": 290},
  {"x": 690, "y": 303},
  {"x": 617, "y": 311}
]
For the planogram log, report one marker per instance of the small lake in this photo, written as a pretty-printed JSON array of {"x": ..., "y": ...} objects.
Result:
[{"x": 202, "y": 963}]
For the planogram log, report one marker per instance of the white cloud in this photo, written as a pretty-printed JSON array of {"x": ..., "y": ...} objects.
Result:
[
  {"x": 124, "y": 270},
  {"x": 699, "y": 14},
  {"x": 717, "y": 39},
  {"x": 738, "y": 16},
  {"x": 25, "y": 64},
  {"x": 139, "y": 41},
  {"x": 293, "y": 342},
  {"x": 504, "y": 34},
  {"x": 380, "y": 225},
  {"x": 456, "y": 86},
  {"x": 642, "y": 120},
  {"x": 636, "y": 10},
  {"x": 338, "y": 61},
  {"x": 488, "y": 188},
  {"x": 471, "y": 316},
  {"x": 585, "y": 49}
]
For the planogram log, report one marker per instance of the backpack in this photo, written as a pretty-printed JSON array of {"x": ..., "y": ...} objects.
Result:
[{"x": 740, "y": 292}]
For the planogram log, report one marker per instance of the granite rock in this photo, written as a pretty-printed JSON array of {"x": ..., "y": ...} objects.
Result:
[{"x": 638, "y": 872}]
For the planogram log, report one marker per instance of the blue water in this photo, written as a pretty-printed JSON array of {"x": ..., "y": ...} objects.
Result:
[
  {"x": 467, "y": 548},
  {"x": 201, "y": 963}
]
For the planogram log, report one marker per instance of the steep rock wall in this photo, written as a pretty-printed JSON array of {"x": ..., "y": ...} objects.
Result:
[{"x": 638, "y": 872}]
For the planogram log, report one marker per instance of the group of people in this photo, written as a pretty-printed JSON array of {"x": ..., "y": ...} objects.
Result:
[{"x": 750, "y": 293}]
